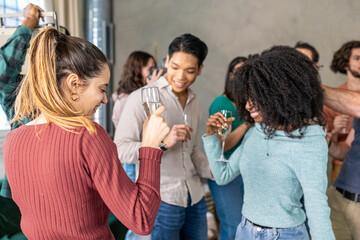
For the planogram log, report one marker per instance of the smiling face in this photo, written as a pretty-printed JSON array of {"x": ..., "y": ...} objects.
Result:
[
  {"x": 254, "y": 113},
  {"x": 182, "y": 70},
  {"x": 92, "y": 95}
]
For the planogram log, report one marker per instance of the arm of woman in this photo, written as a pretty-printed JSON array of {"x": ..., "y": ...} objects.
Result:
[
  {"x": 236, "y": 135},
  {"x": 134, "y": 204},
  {"x": 224, "y": 172},
  {"x": 309, "y": 163}
]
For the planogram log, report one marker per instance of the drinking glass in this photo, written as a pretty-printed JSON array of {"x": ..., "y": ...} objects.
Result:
[
  {"x": 187, "y": 121},
  {"x": 150, "y": 99},
  {"x": 223, "y": 132}
]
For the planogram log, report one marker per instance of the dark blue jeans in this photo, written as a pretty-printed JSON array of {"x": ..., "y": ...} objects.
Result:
[
  {"x": 175, "y": 223},
  {"x": 228, "y": 201}
]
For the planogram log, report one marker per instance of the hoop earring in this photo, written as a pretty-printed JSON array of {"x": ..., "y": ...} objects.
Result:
[{"x": 74, "y": 96}]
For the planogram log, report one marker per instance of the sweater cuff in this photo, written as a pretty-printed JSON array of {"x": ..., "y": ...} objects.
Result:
[{"x": 153, "y": 154}]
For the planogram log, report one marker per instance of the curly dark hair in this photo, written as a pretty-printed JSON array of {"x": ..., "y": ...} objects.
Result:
[
  {"x": 284, "y": 86},
  {"x": 342, "y": 56},
  {"x": 230, "y": 74},
  {"x": 131, "y": 77}
]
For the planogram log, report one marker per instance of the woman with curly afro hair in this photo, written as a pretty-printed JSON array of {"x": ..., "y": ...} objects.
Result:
[{"x": 284, "y": 155}]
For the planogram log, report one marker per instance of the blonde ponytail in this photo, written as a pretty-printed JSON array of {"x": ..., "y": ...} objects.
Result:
[{"x": 41, "y": 89}]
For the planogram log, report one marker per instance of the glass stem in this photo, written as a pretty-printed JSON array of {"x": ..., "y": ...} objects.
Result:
[{"x": 223, "y": 147}]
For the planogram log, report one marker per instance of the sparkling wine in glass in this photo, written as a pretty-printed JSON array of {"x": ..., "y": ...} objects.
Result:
[
  {"x": 223, "y": 132},
  {"x": 151, "y": 100},
  {"x": 186, "y": 121}
]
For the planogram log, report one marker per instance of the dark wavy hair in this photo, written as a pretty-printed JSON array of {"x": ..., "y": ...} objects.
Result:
[
  {"x": 342, "y": 56},
  {"x": 131, "y": 76},
  {"x": 230, "y": 74},
  {"x": 284, "y": 86}
]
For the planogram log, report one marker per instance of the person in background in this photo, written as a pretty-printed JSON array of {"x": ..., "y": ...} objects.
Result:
[
  {"x": 62, "y": 167},
  {"x": 338, "y": 124},
  {"x": 309, "y": 51},
  {"x": 12, "y": 56},
  {"x": 229, "y": 198},
  {"x": 182, "y": 214},
  {"x": 135, "y": 74},
  {"x": 284, "y": 155},
  {"x": 344, "y": 194}
]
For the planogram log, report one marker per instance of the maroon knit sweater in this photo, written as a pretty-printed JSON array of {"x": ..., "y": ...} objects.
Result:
[{"x": 65, "y": 183}]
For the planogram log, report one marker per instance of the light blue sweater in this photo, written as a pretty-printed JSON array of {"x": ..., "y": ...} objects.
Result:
[{"x": 277, "y": 172}]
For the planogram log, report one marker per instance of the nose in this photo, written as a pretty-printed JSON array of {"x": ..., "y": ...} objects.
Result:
[
  {"x": 104, "y": 100},
  {"x": 181, "y": 75},
  {"x": 248, "y": 106}
]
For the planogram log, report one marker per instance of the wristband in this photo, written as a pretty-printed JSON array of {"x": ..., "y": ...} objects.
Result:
[{"x": 162, "y": 146}]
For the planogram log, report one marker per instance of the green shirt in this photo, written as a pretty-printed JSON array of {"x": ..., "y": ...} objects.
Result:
[
  {"x": 224, "y": 103},
  {"x": 12, "y": 57}
]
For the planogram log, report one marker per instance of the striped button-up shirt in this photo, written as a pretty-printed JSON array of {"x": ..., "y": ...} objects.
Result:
[{"x": 180, "y": 170}]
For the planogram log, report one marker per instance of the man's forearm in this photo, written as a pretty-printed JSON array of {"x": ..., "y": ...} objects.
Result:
[{"x": 343, "y": 101}]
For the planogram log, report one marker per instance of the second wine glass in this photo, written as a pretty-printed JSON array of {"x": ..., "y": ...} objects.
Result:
[
  {"x": 223, "y": 132},
  {"x": 150, "y": 99}
]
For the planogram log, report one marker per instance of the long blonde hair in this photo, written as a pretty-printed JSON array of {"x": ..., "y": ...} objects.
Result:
[{"x": 53, "y": 56}]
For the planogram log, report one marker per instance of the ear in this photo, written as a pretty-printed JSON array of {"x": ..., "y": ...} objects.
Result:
[
  {"x": 200, "y": 68},
  {"x": 72, "y": 82},
  {"x": 167, "y": 61}
]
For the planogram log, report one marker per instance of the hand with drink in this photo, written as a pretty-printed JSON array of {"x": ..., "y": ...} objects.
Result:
[
  {"x": 155, "y": 129},
  {"x": 179, "y": 132},
  {"x": 220, "y": 123},
  {"x": 151, "y": 100},
  {"x": 340, "y": 124}
]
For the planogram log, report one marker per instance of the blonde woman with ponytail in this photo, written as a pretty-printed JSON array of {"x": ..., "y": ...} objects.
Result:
[{"x": 63, "y": 168}]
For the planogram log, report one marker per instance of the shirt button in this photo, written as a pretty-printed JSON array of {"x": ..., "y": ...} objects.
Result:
[{"x": 259, "y": 229}]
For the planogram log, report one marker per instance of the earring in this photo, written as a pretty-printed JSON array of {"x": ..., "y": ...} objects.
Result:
[{"x": 74, "y": 96}]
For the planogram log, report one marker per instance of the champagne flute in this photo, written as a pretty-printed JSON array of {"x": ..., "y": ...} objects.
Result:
[
  {"x": 150, "y": 99},
  {"x": 187, "y": 121},
  {"x": 223, "y": 132}
]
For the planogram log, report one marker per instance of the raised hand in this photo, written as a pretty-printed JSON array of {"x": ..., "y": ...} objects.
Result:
[
  {"x": 155, "y": 129},
  {"x": 31, "y": 16},
  {"x": 215, "y": 122},
  {"x": 340, "y": 123},
  {"x": 179, "y": 132},
  {"x": 155, "y": 76}
]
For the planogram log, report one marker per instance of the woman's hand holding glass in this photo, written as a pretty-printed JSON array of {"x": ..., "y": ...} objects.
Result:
[
  {"x": 216, "y": 121},
  {"x": 220, "y": 123},
  {"x": 155, "y": 129},
  {"x": 150, "y": 98}
]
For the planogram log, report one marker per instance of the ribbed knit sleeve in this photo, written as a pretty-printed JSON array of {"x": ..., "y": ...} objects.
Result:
[
  {"x": 66, "y": 183},
  {"x": 134, "y": 204}
]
